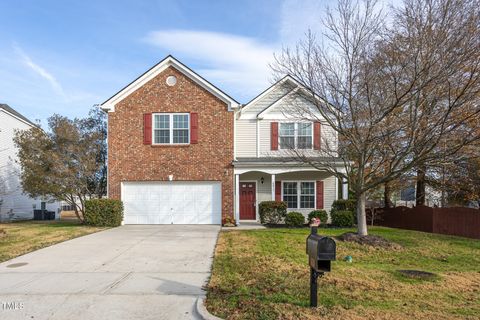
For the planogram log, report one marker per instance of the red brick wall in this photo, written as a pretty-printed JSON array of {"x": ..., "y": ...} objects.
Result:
[{"x": 210, "y": 159}]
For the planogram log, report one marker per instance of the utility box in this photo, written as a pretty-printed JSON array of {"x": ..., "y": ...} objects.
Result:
[{"x": 321, "y": 251}]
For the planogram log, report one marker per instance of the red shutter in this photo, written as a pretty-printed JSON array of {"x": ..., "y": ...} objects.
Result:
[
  {"x": 193, "y": 127},
  {"x": 278, "y": 191},
  {"x": 316, "y": 135},
  {"x": 147, "y": 128},
  {"x": 319, "y": 194},
  {"x": 274, "y": 136}
]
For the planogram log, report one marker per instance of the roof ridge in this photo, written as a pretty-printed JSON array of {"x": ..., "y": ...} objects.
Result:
[{"x": 15, "y": 113}]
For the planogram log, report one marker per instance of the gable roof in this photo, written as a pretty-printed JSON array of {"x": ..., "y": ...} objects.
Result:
[
  {"x": 271, "y": 88},
  {"x": 109, "y": 104},
  {"x": 16, "y": 114},
  {"x": 276, "y": 102},
  {"x": 298, "y": 86}
]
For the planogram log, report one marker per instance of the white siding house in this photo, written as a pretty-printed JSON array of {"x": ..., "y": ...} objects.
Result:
[
  {"x": 14, "y": 204},
  {"x": 267, "y": 169}
]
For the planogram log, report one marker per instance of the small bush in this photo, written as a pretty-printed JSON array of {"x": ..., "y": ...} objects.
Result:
[
  {"x": 272, "y": 212},
  {"x": 342, "y": 218},
  {"x": 344, "y": 205},
  {"x": 320, "y": 214},
  {"x": 103, "y": 212},
  {"x": 294, "y": 219}
]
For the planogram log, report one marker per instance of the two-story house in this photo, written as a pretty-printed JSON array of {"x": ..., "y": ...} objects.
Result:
[
  {"x": 14, "y": 203},
  {"x": 181, "y": 151}
]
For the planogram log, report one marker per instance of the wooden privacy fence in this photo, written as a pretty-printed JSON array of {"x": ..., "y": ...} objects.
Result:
[{"x": 458, "y": 221}]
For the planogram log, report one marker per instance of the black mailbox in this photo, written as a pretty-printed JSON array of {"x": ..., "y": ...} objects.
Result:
[{"x": 321, "y": 250}]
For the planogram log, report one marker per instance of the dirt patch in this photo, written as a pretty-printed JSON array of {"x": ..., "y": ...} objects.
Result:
[
  {"x": 370, "y": 240},
  {"x": 418, "y": 274},
  {"x": 3, "y": 233}
]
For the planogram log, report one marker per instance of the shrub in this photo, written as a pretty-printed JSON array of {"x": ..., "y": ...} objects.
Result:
[
  {"x": 344, "y": 205},
  {"x": 342, "y": 218},
  {"x": 294, "y": 219},
  {"x": 272, "y": 211},
  {"x": 103, "y": 212},
  {"x": 320, "y": 214}
]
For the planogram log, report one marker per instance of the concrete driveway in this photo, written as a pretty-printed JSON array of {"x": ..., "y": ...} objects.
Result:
[{"x": 130, "y": 272}]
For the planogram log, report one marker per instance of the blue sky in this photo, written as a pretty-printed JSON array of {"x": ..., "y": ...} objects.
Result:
[{"x": 64, "y": 56}]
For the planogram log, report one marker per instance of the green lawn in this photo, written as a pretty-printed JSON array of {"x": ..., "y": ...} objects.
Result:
[
  {"x": 263, "y": 274},
  {"x": 18, "y": 238}
]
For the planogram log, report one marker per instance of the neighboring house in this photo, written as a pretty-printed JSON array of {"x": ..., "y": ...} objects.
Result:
[
  {"x": 406, "y": 197},
  {"x": 14, "y": 205},
  {"x": 182, "y": 151}
]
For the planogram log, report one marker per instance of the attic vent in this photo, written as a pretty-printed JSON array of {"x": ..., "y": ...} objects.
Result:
[{"x": 171, "y": 81}]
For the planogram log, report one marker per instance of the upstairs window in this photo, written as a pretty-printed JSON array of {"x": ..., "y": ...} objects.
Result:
[
  {"x": 295, "y": 135},
  {"x": 287, "y": 136},
  {"x": 171, "y": 128}
]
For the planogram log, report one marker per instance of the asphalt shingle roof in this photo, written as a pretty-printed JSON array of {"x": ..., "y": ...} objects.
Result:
[{"x": 9, "y": 109}]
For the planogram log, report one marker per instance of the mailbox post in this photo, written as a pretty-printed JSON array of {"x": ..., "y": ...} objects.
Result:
[{"x": 321, "y": 251}]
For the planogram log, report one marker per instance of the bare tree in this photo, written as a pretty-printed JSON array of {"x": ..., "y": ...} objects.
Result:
[{"x": 391, "y": 89}]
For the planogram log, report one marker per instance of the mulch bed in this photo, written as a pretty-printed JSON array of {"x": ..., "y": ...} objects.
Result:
[{"x": 370, "y": 240}]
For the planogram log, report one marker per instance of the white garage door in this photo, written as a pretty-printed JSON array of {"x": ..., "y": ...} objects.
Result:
[{"x": 175, "y": 202}]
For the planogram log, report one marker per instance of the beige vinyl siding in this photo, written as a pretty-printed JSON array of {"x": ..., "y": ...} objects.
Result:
[
  {"x": 245, "y": 135},
  {"x": 328, "y": 138},
  {"x": 249, "y": 136},
  {"x": 264, "y": 191},
  {"x": 267, "y": 100},
  {"x": 329, "y": 190},
  {"x": 265, "y": 136}
]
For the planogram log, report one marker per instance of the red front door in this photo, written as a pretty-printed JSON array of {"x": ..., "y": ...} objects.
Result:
[{"x": 247, "y": 201}]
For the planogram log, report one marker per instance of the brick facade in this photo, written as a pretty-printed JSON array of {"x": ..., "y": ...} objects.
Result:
[{"x": 208, "y": 160}]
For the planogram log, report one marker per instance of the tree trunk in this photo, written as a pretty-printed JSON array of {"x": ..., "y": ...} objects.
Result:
[
  {"x": 78, "y": 214},
  {"x": 387, "y": 195},
  {"x": 420, "y": 193},
  {"x": 71, "y": 200},
  {"x": 361, "y": 216}
]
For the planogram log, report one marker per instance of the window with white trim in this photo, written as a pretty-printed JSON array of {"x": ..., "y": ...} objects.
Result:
[
  {"x": 295, "y": 135},
  {"x": 171, "y": 128},
  {"x": 299, "y": 194}
]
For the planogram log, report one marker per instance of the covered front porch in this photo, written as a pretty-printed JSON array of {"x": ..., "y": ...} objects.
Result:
[{"x": 303, "y": 189}]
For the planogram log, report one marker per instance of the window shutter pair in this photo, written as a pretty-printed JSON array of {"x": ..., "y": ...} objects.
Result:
[
  {"x": 147, "y": 128},
  {"x": 274, "y": 135}
]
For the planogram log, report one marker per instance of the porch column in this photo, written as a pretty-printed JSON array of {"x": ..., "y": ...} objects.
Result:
[
  {"x": 273, "y": 187},
  {"x": 336, "y": 188},
  {"x": 344, "y": 189},
  {"x": 237, "y": 199}
]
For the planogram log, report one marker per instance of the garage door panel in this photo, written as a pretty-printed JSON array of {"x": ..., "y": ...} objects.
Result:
[{"x": 172, "y": 202}]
